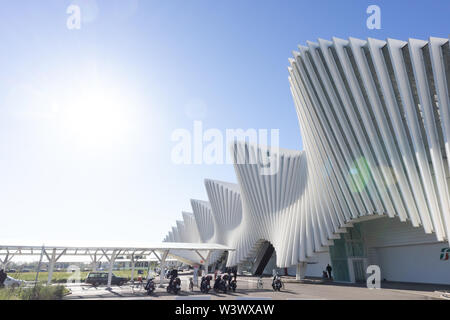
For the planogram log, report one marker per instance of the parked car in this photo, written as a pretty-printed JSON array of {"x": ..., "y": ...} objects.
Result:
[
  {"x": 101, "y": 278},
  {"x": 11, "y": 282}
]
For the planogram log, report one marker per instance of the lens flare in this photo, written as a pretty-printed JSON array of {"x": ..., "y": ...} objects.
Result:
[{"x": 359, "y": 175}]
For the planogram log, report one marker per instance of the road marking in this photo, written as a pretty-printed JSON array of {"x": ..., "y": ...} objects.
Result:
[
  {"x": 306, "y": 299},
  {"x": 254, "y": 298},
  {"x": 193, "y": 298}
]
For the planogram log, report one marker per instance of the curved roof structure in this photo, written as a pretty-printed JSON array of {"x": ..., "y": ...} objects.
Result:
[
  {"x": 226, "y": 208},
  {"x": 375, "y": 113},
  {"x": 190, "y": 227},
  {"x": 375, "y": 122},
  {"x": 204, "y": 219}
]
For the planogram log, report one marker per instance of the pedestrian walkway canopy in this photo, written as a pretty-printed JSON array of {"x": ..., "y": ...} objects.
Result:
[{"x": 110, "y": 252}]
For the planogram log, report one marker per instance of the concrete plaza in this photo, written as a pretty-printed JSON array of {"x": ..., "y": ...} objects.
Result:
[{"x": 310, "y": 289}]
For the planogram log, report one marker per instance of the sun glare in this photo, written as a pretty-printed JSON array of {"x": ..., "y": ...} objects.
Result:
[{"x": 95, "y": 116}]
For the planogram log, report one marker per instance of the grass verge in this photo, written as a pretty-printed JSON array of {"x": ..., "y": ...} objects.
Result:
[{"x": 39, "y": 292}]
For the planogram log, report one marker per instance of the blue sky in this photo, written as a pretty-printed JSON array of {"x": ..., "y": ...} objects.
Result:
[{"x": 72, "y": 173}]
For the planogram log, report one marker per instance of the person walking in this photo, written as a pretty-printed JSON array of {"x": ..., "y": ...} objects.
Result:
[{"x": 329, "y": 269}]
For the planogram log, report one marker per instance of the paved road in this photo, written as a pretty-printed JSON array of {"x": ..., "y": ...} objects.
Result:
[{"x": 247, "y": 289}]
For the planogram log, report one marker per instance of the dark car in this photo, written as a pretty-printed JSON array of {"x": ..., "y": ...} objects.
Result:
[{"x": 101, "y": 278}]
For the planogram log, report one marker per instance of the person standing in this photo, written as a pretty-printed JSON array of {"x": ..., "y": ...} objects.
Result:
[
  {"x": 329, "y": 269},
  {"x": 2, "y": 278}
]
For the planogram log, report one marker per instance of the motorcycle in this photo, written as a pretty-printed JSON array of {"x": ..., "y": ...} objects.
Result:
[
  {"x": 150, "y": 286},
  {"x": 220, "y": 285},
  {"x": 231, "y": 284},
  {"x": 276, "y": 283},
  {"x": 205, "y": 284},
  {"x": 174, "y": 285}
]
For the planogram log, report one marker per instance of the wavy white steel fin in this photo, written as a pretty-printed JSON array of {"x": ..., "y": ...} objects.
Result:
[{"x": 375, "y": 121}]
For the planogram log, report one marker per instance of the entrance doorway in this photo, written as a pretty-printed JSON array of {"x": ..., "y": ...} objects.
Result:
[{"x": 359, "y": 270}]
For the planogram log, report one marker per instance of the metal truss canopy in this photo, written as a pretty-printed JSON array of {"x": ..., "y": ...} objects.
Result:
[
  {"x": 54, "y": 253},
  {"x": 108, "y": 250}
]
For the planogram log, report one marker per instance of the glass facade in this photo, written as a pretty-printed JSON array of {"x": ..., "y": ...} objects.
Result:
[
  {"x": 339, "y": 260},
  {"x": 351, "y": 245}
]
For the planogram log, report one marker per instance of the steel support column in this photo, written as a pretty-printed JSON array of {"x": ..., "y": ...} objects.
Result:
[
  {"x": 132, "y": 268},
  {"x": 51, "y": 265},
  {"x": 111, "y": 260},
  {"x": 163, "y": 266},
  {"x": 301, "y": 271}
]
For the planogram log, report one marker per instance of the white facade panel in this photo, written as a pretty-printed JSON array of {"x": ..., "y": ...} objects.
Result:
[
  {"x": 385, "y": 232},
  {"x": 420, "y": 263}
]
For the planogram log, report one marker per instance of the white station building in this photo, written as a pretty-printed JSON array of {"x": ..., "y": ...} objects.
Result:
[{"x": 371, "y": 186}]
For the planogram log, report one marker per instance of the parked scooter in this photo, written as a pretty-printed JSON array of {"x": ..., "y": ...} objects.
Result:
[
  {"x": 220, "y": 284},
  {"x": 174, "y": 285},
  {"x": 276, "y": 283},
  {"x": 174, "y": 282},
  {"x": 150, "y": 286},
  {"x": 231, "y": 284},
  {"x": 205, "y": 284}
]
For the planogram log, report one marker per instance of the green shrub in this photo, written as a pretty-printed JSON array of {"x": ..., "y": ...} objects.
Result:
[
  {"x": 41, "y": 292},
  {"x": 9, "y": 294}
]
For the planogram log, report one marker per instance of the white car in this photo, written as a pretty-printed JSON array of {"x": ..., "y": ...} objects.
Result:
[{"x": 11, "y": 282}]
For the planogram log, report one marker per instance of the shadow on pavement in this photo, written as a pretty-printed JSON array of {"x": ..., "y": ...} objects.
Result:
[{"x": 424, "y": 287}]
